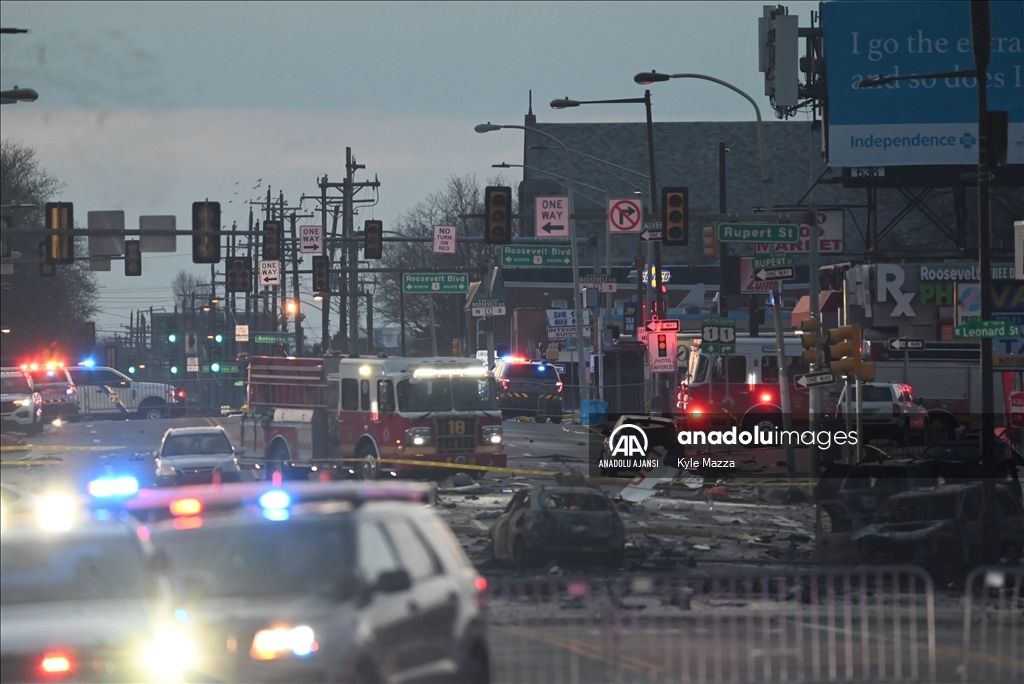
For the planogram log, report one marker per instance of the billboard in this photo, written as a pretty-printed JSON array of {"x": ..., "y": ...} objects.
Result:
[{"x": 920, "y": 121}]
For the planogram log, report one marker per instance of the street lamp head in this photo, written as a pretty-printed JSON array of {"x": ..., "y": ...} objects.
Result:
[
  {"x": 563, "y": 103},
  {"x": 649, "y": 77},
  {"x": 487, "y": 127},
  {"x": 19, "y": 95},
  {"x": 502, "y": 165}
]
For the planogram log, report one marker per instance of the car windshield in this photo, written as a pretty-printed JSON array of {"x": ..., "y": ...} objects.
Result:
[
  {"x": 259, "y": 558},
  {"x": 923, "y": 508},
  {"x": 532, "y": 372},
  {"x": 42, "y": 376},
  {"x": 445, "y": 394},
  {"x": 196, "y": 445},
  {"x": 73, "y": 569},
  {"x": 15, "y": 384}
]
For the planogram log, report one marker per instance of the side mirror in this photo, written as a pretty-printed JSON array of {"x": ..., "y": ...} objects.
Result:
[
  {"x": 395, "y": 580},
  {"x": 239, "y": 451}
]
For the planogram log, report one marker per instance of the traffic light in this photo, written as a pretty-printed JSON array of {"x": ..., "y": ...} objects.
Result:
[
  {"x": 812, "y": 341},
  {"x": 172, "y": 364},
  {"x": 271, "y": 241},
  {"x": 321, "y": 274},
  {"x": 497, "y": 215},
  {"x": 848, "y": 353},
  {"x": 215, "y": 359},
  {"x": 132, "y": 258},
  {"x": 239, "y": 275},
  {"x": 675, "y": 216},
  {"x": 218, "y": 332},
  {"x": 711, "y": 246},
  {"x": 278, "y": 350},
  {"x": 131, "y": 364},
  {"x": 206, "y": 232},
  {"x": 662, "y": 345},
  {"x": 172, "y": 331},
  {"x": 373, "y": 239},
  {"x": 60, "y": 248}
]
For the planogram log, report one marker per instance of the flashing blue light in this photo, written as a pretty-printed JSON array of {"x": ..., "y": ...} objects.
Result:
[
  {"x": 506, "y": 359},
  {"x": 113, "y": 486},
  {"x": 276, "y": 514},
  {"x": 89, "y": 363},
  {"x": 101, "y": 514},
  {"x": 275, "y": 499},
  {"x": 542, "y": 368}
]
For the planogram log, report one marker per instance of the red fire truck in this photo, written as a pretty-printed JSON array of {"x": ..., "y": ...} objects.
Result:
[{"x": 372, "y": 416}]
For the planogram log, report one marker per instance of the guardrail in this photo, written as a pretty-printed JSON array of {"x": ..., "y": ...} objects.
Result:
[
  {"x": 993, "y": 648},
  {"x": 858, "y": 624}
]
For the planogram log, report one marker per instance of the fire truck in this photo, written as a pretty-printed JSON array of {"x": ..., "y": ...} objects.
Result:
[
  {"x": 741, "y": 388},
  {"x": 368, "y": 417}
]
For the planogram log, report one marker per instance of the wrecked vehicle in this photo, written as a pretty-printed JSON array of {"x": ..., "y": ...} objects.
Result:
[
  {"x": 940, "y": 529},
  {"x": 564, "y": 524}
]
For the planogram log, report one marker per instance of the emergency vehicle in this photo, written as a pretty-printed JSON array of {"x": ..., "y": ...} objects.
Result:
[
  {"x": 371, "y": 416},
  {"x": 742, "y": 387}
]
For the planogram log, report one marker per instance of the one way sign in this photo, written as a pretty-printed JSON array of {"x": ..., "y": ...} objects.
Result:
[
  {"x": 551, "y": 217},
  {"x": 904, "y": 344},
  {"x": 786, "y": 273},
  {"x": 815, "y": 379}
]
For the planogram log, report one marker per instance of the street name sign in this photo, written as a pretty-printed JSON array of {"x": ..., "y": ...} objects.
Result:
[
  {"x": 435, "y": 283},
  {"x": 445, "y": 239},
  {"x": 544, "y": 256},
  {"x": 625, "y": 215},
  {"x": 241, "y": 333},
  {"x": 773, "y": 261},
  {"x": 224, "y": 368},
  {"x": 270, "y": 273},
  {"x": 551, "y": 217},
  {"x": 718, "y": 335},
  {"x": 311, "y": 239},
  {"x": 603, "y": 283},
  {"x": 787, "y": 273},
  {"x": 904, "y": 344},
  {"x": 758, "y": 232},
  {"x": 274, "y": 338},
  {"x": 815, "y": 379},
  {"x": 986, "y": 329},
  {"x": 488, "y": 307}
]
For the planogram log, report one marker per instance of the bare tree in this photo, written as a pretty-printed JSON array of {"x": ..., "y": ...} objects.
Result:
[{"x": 186, "y": 286}]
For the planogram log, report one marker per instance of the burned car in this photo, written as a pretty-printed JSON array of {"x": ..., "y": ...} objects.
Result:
[
  {"x": 559, "y": 523},
  {"x": 940, "y": 529}
]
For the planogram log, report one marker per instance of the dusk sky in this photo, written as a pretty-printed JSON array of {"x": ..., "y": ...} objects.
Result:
[{"x": 148, "y": 107}]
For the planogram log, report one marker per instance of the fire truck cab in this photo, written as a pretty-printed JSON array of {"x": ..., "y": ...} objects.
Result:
[
  {"x": 372, "y": 416},
  {"x": 742, "y": 387}
]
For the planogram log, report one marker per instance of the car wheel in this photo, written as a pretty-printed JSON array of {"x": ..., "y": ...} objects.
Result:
[
  {"x": 152, "y": 412},
  {"x": 476, "y": 669},
  {"x": 369, "y": 465}
]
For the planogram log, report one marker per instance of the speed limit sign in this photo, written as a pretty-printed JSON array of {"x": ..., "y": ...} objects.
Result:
[{"x": 718, "y": 335}]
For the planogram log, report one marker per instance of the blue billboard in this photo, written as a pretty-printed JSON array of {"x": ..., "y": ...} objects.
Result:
[{"x": 919, "y": 121}]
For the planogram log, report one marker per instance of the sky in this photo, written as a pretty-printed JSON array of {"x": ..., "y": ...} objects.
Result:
[{"x": 148, "y": 107}]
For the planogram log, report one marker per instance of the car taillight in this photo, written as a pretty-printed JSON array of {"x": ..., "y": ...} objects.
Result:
[
  {"x": 895, "y": 410},
  {"x": 558, "y": 386},
  {"x": 766, "y": 397},
  {"x": 55, "y": 663}
]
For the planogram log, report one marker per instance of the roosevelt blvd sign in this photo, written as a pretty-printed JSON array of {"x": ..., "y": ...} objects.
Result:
[
  {"x": 986, "y": 329},
  {"x": 435, "y": 283},
  {"x": 815, "y": 379},
  {"x": 758, "y": 232},
  {"x": 600, "y": 282},
  {"x": 549, "y": 256},
  {"x": 488, "y": 307}
]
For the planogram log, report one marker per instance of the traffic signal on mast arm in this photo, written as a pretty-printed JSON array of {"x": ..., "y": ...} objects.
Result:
[
  {"x": 132, "y": 258},
  {"x": 373, "y": 239},
  {"x": 218, "y": 332},
  {"x": 172, "y": 331},
  {"x": 321, "y": 274},
  {"x": 172, "y": 364},
  {"x": 206, "y": 232},
  {"x": 239, "y": 275},
  {"x": 60, "y": 248},
  {"x": 812, "y": 341},
  {"x": 271, "y": 241},
  {"x": 675, "y": 216},
  {"x": 497, "y": 214},
  {"x": 847, "y": 351},
  {"x": 711, "y": 246}
]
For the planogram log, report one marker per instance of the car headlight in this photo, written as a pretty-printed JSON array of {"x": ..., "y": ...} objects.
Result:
[
  {"x": 24, "y": 402},
  {"x": 492, "y": 434},
  {"x": 165, "y": 469},
  {"x": 276, "y": 642},
  {"x": 171, "y": 653},
  {"x": 418, "y": 436}
]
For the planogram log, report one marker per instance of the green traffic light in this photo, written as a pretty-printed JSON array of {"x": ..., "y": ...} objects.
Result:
[
  {"x": 172, "y": 338},
  {"x": 174, "y": 370},
  {"x": 215, "y": 367},
  {"x": 218, "y": 338},
  {"x": 131, "y": 369}
]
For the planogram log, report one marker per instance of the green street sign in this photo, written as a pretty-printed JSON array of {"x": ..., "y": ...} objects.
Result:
[
  {"x": 986, "y": 329},
  {"x": 435, "y": 283},
  {"x": 239, "y": 383},
  {"x": 758, "y": 232},
  {"x": 718, "y": 335},
  {"x": 274, "y": 338},
  {"x": 773, "y": 261},
  {"x": 718, "y": 347},
  {"x": 544, "y": 256},
  {"x": 597, "y": 278},
  {"x": 224, "y": 368}
]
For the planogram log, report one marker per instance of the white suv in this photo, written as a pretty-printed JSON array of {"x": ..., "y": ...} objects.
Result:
[
  {"x": 106, "y": 393},
  {"x": 21, "y": 407},
  {"x": 888, "y": 409}
]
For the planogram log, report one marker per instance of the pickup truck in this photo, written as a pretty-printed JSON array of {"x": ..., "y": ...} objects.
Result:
[
  {"x": 106, "y": 393},
  {"x": 888, "y": 409}
]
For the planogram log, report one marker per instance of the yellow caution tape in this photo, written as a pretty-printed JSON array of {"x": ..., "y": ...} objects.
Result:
[
  {"x": 50, "y": 447},
  {"x": 26, "y": 463}
]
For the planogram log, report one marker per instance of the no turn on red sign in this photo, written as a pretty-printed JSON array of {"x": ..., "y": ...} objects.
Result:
[{"x": 625, "y": 215}]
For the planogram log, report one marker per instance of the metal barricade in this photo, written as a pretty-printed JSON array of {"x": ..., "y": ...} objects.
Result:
[
  {"x": 858, "y": 624},
  {"x": 993, "y": 649}
]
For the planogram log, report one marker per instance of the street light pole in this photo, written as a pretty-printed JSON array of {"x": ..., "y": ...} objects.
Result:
[{"x": 578, "y": 312}]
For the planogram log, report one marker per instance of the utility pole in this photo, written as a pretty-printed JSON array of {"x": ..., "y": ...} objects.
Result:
[
  {"x": 348, "y": 231},
  {"x": 325, "y": 304}
]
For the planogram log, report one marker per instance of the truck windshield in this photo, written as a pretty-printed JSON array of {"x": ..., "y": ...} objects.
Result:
[{"x": 445, "y": 394}]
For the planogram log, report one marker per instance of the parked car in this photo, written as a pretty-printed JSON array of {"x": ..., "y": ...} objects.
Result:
[
  {"x": 559, "y": 523},
  {"x": 54, "y": 384},
  {"x": 84, "y": 599},
  {"x": 940, "y": 529},
  {"x": 194, "y": 454},
  {"x": 21, "y": 407},
  {"x": 888, "y": 409},
  {"x": 528, "y": 388},
  {"x": 367, "y": 590},
  {"x": 107, "y": 393}
]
